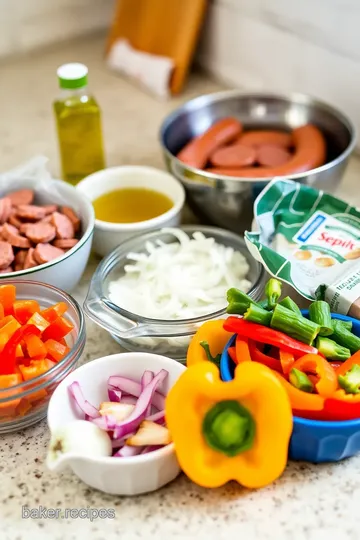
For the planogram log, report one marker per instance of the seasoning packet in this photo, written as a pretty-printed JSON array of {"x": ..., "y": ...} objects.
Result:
[{"x": 310, "y": 240}]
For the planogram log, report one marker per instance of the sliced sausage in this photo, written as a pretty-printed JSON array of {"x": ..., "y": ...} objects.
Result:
[
  {"x": 13, "y": 220},
  {"x": 310, "y": 152},
  {"x": 30, "y": 260},
  {"x": 5, "y": 209},
  {"x": 75, "y": 220},
  {"x": 270, "y": 155},
  {"x": 46, "y": 219},
  {"x": 30, "y": 212},
  {"x": 6, "y": 254},
  {"x": 11, "y": 235},
  {"x": 50, "y": 208},
  {"x": 6, "y": 270},
  {"x": 40, "y": 232},
  {"x": 259, "y": 138},
  {"x": 65, "y": 243},
  {"x": 20, "y": 258},
  {"x": 64, "y": 227},
  {"x": 44, "y": 253},
  {"x": 197, "y": 152},
  {"x": 23, "y": 196},
  {"x": 234, "y": 155}
]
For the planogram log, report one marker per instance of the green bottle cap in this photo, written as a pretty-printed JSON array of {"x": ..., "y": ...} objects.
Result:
[{"x": 72, "y": 76}]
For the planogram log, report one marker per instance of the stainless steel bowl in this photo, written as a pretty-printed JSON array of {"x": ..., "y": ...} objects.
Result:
[{"x": 228, "y": 201}]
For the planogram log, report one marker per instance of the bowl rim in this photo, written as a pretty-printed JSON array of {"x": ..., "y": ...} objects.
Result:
[
  {"x": 107, "y": 265},
  {"x": 296, "y": 97},
  {"x": 138, "y": 225},
  {"x": 160, "y": 452},
  {"x": 45, "y": 379},
  {"x": 85, "y": 237},
  {"x": 298, "y": 420}
]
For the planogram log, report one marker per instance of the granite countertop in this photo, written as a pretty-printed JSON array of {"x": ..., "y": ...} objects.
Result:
[{"x": 312, "y": 502}]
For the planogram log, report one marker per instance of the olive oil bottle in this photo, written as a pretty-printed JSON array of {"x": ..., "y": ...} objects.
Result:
[{"x": 78, "y": 119}]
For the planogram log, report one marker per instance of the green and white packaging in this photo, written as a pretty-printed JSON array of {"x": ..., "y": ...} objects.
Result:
[{"x": 309, "y": 238}]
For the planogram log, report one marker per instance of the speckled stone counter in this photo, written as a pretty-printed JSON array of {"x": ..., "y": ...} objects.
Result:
[{"x": 310, "y": 502}]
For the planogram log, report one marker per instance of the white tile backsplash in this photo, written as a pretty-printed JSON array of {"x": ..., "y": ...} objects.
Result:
[
  {"x": 27, "y": 24},
  {"x": 311, "y": 46}
]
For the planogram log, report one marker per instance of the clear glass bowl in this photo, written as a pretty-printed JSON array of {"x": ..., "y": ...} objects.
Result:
[
  {"x": 137, "y": 333},
  {"x": 38, "y": 391}
]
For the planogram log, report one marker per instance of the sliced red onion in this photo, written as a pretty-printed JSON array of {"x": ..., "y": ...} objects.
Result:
[
  {"x": 129, "y": 386},
  {"x": 129, "y": 400},
  {"x": 106, "y": 422},
  {"x": 86, "y": 407},
  {"x": 158, "y": 417},
  {"x": 128, "y": 451},
  {"x": 139, "y": 413},
  {"x": 147, "y": 449},
  {"x": 145, "y": 380},
  {"x": 114, "y": 394}
]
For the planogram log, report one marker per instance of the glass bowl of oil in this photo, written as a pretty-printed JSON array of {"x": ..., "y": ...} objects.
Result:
[
  {"x": 138, "y": 333},
  {"x": 130, "y": 200}
]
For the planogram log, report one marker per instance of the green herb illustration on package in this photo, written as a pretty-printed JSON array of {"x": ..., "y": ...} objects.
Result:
[{"x": 311, "y": 240}]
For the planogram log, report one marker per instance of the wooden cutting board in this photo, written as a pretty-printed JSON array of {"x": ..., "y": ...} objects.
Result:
[{"x": 163, "y": 27}]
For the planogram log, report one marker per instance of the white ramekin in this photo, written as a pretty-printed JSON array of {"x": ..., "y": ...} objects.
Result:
[{"x": 107, "y": 236}]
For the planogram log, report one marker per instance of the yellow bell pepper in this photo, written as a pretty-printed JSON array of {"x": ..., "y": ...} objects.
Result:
[
  {"x": 214, "y": 337},
  {"x": 237, "y": 430}
]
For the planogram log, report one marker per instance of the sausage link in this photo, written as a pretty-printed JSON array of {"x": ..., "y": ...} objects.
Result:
[
  {"x": 259, "y": 138},
  {"x": 270, "y": 155},
  {"x": 234, "y": 155},
  {"x": 197, "y": 152},
  {"x": 310, "y": 153},
  {"x": 40, "y": 232}
]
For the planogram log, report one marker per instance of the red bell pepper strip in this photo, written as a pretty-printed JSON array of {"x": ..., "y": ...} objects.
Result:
[
  {"x": 316, "y": 364},
  {"x": 258, "y": 356},
  {"x": 242, "y": 350},
  {"x": 286, "y": 360},
  {"x": 8, "y": 354},
  {"x": 260, "y": 333}
]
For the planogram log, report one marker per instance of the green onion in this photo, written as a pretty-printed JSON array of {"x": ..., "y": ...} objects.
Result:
[
  {"x": 238, "y": 301},
  {"x": 300, "y": 380},
  {"x": 331, "y": 350},
  {"x": 319, "y": 313},
  {"x": 258, "y": 315},
  {"x": 294, "y": 325},
  {"x": 350, "y": 382},
  {"x": 344, "y": 337},
  {"x": 273, "y": 291},
  {"x": 288, "y": 303}
]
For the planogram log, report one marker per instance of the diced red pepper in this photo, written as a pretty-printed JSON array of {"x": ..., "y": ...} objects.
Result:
[
  {"x": 55, "y": 311},
  {"x": 56, "y": 350},
  {"x": 263, "y": 334},
  {"x": 58, "y": 329},
  {"x": 35, "y": 347},
  {"x": 258, "y": 356},
  {"x": 24, "y": 309}
]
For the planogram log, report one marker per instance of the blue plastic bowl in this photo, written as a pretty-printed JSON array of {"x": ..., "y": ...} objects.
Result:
[{"x": 313, "y": 440}]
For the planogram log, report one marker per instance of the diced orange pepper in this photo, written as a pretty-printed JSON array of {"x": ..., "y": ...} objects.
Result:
[
  {"x": 37, "y": 395},
  {"x": 7, "y": 298},
  {"x": 36, "y": 368},
  {"x": 232, "y": 353},
  {"x": 58, "y": 329},
  {"x": 242, "y": 350},
  {"x": 35, "y": 347},
  {"x": 287, "y": 360},
  {"x": 6, "y": 320},
  {"x": 23, "y": 407},
  {"x": 38, "y": 320},
  {"x": 348, "y": 364},
  {"x": 24, "y": 309},
  {"x": 8, "y": 330},
  {"x": 7, "y": 381},
  {"x": 317, "y": 365},
  {"x": 300, "y": 400},
  {"x": 55, "y": 311},
  {"x": 2, "y": 314},
  {"x": 19, "y": 352},
  {"x": 55, "y": 349}
]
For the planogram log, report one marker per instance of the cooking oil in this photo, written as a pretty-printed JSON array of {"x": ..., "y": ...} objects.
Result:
[
  {"x": 131, "y": 205},
  {"x": 78, "y": 119}
]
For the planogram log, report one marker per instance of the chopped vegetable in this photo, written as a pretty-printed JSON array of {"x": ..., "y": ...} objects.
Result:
[
  {"x": 56, "y": 350},
  {"x": 258, "y": 315},
  {"x": 350, "y": 381},
  {"x": 205, "y": 268},
  {"x": 286, "y": 360},
  {"x": 238, "y": 301},
  {"x": 24, "y": 309},
  {"x": 35, "y": 347},
  {"x": 242, "y": 353},
  {"x": 316, "y": 364},
  {"x": 273, "y": 291},
  {"x": 38, "y": 320},
  {"x": 58, "y": 329},
  {"x": 301, "y": 401},
  {"x": 289, "y": 303},
  {"x": 262, "y": 358},
  {"x": 346, "y": 324},
  {"x": 35, "y": 368},
  {"x": 53, "y": 312},
  {"x": 133, "y": 388},
  {"x": 150, "y": 433},
  {"x": 294, "y": 325},
  {"x": 332, "y": 350},
  {"x": 319, "y": 313},
  {"x": 216, "y": 337},
  {"x": 7, "y": 298},
  {"x": 8, "y": 354},
  {"x": 119, "y": 411},
  {"x": 78, "y": 397},
  {"x": 344, "y": 337},
  {"x": 266, "y": 335},
  {"x": 300, "y": 380},
  {"x": 348, "y": 364},
  {"x": 215, "y": 359},
  {"x": 237, "y": 430}
]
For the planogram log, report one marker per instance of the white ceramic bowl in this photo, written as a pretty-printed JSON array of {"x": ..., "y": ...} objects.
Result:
[
  {"x": 117, "y": 476},
  {"x": 66, "y": 271},
  {"x": 108, "y": 236}
]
